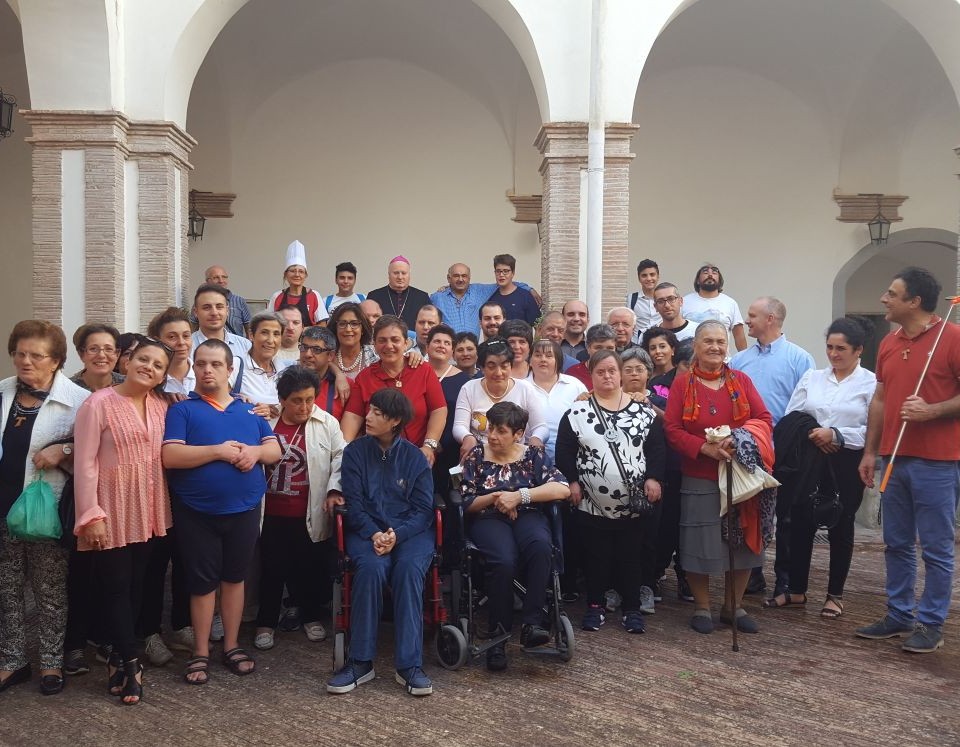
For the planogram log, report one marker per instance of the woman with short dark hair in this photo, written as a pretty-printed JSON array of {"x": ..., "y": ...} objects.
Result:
[
  {"x": 38, "y": 407},
  {"x": 502, "y": 481},
  {"x": 354, "y": 339},
  {"x": 98, "y": 346}
]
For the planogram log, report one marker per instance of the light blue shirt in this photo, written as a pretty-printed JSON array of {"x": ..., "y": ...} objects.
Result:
[
  {"x": 775, "y": 370},
  {"x": 463, "y": 314}
]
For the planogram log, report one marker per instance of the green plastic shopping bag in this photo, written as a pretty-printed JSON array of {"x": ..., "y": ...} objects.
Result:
[{"x": 34, "y": 515}]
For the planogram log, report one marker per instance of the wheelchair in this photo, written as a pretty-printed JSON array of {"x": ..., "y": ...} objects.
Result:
[
  {"x": 460, "y": 639},
  {"x": 435, "y": 615}
]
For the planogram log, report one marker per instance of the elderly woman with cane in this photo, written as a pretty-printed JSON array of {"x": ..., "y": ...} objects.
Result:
[{"x": 709, "y": 396}]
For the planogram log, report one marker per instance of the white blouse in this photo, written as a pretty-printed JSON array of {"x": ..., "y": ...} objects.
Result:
[
  {"x": 558, "y": 400},
  {"x": 470, "y": 417},
  {"x": 837, "y": 404}
]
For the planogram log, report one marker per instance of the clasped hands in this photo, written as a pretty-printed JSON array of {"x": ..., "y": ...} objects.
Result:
[
  {"x": 242, "y": 456},
  {"x": 384, "y": 542},
  {"x": 506, "y": 502}
]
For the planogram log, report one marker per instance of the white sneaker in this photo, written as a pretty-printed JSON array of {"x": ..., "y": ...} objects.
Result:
[
  {"x": 315, "y": 631},
  {"x": 182, "y": 640},
  {"x": 264, "y": 641},
  {"x": 612, "y": 600},
  {"x": 647, "y": 604},
  {"x": 216, "y": 629},
  {"x": 156, "y": 650}
]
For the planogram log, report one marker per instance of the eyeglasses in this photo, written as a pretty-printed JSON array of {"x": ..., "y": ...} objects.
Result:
[
  {"x": 96, "y": 350},
  {"x": 314, "y": 349},
  {"x": 666, "y": 301},
  {"x": 349, "y": 324},
  {"x": 620, "y": 325},
  {"x": 502, "y": 271},
  {"x": 20, "y": 355}
]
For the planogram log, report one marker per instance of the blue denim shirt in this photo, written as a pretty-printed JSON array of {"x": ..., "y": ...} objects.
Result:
[{"x": 384, "y": 489}]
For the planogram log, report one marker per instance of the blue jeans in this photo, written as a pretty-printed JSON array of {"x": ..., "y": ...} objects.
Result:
[
  {"x": 920, "y": 500},
  {"x": 404, "y": 568}
]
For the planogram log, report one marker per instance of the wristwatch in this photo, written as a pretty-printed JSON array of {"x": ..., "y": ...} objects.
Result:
[
  {"x": 67, "y": 449},
  {"x": 431, "y": 443}
]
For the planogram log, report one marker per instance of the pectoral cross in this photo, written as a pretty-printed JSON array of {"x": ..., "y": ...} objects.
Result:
[{"x": 905, "y": 354}]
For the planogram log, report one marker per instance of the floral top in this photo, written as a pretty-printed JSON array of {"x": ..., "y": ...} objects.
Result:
[{"x": 481, "y": 477}]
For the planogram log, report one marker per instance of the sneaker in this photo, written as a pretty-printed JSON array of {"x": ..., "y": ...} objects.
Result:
[
  {"x": 925, "y": 640},
  {"x": 633, "y": 622},
  {"x": 103, "y": 651},
  {"x": 264, "y": 641},
  {"x": 646, "y": 601},
  {"x": 156, "y": 650},
  {"x": 74, "y": 662},
  {"x": 702, "y": 622},
  {"x": 497, "y": 658},
  {"x": 289, "y": 620},
  {"x": 683, "y": 587},
  {"x": 216, "y": 629},
  {"x": 612, "y": 600},
  {"x": 182, "y": 640},
  {"x": 745, "y": 623},
  {"x": 415, "y": 680},
  {"x": 593, "y": 618},
  {"x": 532, "y": 636},
  {"x": 885, "y": 628},
  {"x": 315, "y": 631},
  {"x": 657, "y": 592},
  {"x": 352, "y": 673}
]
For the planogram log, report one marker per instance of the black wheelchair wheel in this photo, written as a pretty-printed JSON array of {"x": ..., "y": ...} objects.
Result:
[
  {"x": 339, "y": 650},
  {"x": 451, "y": 647},
  {"x": 566, "y": 644}
]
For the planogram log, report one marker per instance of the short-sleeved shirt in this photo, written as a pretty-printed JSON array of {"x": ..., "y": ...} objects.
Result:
[
  {"x": 420, "y": 385},
  {"x": 518, "y": 304},
  {"x": 900, "y": 361},
  {"x": 288, "y": 482},
  {"x": 216, "y": 487},
  {"x": 721, "y": 307}
]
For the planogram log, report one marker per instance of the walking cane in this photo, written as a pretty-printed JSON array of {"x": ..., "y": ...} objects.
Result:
[
  {"x": 954, "y": 300},
  {"x": 733, "y": 592}
]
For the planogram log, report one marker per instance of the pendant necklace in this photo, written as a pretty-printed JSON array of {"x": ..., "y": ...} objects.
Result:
[
  {"x": 610, "y": 432},
  {"x": 403, "y": 302},
  {"x": 713, "y": 408}
]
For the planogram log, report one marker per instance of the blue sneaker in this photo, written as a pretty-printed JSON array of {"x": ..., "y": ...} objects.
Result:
[
  {"x": 593, "y": 618},
  {"x": 885, "y": 628},
  {"x": 633, "y": 622},
  {"x": 352, "y": 674},
  {"x": 415, "y": 680}
]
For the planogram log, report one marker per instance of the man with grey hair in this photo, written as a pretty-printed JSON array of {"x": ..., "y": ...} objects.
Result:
[
  {"x": 775, "y": 365},
  {"x": 623, "y": 321},
  {"x": 317, "y": 346},
  {"x": 598, "y": 337}
]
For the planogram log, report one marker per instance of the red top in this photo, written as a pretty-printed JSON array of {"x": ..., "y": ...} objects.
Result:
[
  {"x": 582, "y": 373},
  {"x": 288, "y": 483},
  {"x": 899, "y": 363},
  {"x": 686, "y": 437},
  {"x": 328, "y": 396},
  {"x": 420, "y": 385}
]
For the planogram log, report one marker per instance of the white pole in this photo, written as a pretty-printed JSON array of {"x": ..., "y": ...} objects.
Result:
[{"x": 595, "y": 155}]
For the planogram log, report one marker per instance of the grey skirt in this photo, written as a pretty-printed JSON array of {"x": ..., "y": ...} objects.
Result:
[{"x": 702, "y": 550}]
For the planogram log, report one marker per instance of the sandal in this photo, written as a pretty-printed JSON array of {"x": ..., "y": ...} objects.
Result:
[
  {"x": 233, "y": 658},
  {"x": 132, "y": 686},
  {"x": 775, "y": 603},
  {"x": 115, "y": 677},
  {"x": 198, "y": 664},
  {"x": 829, "y": 613}
]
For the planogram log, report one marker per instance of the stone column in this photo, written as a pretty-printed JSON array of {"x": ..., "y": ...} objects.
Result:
[
  {"x": 159, "y": 152},
  {"x": 564, "y": 149},
  {"x": 78, "y": 217}
]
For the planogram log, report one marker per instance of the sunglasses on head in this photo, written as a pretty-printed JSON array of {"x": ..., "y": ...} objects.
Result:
[{"x": 143, "y": 339}]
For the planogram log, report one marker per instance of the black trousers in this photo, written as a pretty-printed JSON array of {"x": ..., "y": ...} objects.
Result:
[
  {"x": 802, "y": 527},
  {"x": 84, "y": 603},
  {"x": 514, "y": 549},
  {"x": 289, "y": 557},
  {"x": 612, "y": 557},
  {"x": 572, "y": 553},
  {"x": 668, "y": 531},
  {"x": 120, "y": 573},
  {"x": 164, "y": 552}
]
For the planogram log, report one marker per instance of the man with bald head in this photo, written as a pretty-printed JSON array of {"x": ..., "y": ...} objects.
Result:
[
  {"x": 460, "y": 300},
  {"x": 398, "y": 297},
  {"x": 238, "y": 319},
  {"x": 371, "y": 310}
]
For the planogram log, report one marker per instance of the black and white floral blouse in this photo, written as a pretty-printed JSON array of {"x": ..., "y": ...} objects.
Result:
[{"x": 584, "y": 453}]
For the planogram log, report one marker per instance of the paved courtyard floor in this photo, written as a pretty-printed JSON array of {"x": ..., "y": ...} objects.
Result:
[{"x": 801, "y": 681}]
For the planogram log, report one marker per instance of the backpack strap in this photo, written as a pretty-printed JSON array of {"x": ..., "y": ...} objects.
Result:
[{"x": 235, "y": 389}]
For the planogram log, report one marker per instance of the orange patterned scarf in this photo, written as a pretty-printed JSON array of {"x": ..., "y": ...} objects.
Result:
[{"x": 691, "y": 407}]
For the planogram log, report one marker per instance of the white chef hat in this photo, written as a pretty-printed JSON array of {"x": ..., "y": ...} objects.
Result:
[{"x": 296, "y": 255}]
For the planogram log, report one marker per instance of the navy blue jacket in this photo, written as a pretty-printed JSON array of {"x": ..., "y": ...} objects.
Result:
[{"x": 383, "y": 489}]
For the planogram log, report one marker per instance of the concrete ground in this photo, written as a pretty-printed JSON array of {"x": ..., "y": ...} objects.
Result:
[{"x": 801, "y": 681}]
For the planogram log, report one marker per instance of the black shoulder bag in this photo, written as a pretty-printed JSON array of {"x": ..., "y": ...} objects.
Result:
[{"x": 637, "y": 496}]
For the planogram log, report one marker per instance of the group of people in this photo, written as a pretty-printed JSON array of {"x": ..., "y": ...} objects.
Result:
[{"x": 221, "y": 442}]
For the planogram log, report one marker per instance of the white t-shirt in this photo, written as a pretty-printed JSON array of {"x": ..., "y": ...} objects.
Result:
[
  {"x": 332, "y": 301},
  {"x": 722, "y": 307},
  {"x": 558, "y": 401}
]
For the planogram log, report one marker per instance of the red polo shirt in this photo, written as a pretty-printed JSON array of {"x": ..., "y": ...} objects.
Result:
[
  {"x": 420, "y": 385},
  {"x": 900, "y": 361}
]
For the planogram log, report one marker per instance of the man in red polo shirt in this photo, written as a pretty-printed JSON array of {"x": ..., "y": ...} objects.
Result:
[{"x": 922, "y": 495}]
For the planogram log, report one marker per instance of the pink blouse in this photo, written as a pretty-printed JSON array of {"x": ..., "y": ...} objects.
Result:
[{"x": 118, "y": 475}]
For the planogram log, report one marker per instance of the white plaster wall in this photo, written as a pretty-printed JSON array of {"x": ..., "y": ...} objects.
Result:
[
  {"x": 361, "y": 160},
  {"x": 870, "y": 281},
  {"x": 731, "y": 168}
]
